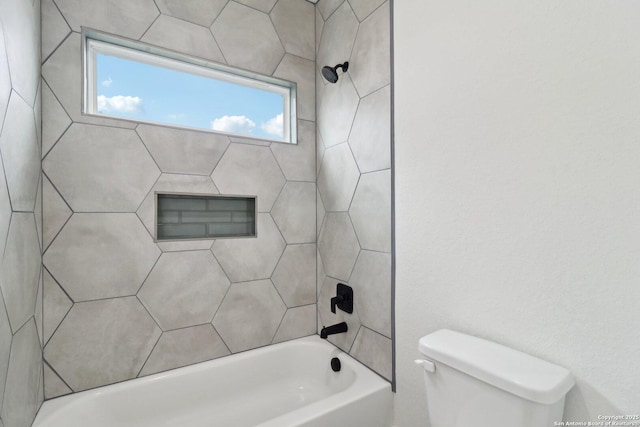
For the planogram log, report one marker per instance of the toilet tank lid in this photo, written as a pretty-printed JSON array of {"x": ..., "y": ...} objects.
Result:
[{"x": 515, "y": 372}]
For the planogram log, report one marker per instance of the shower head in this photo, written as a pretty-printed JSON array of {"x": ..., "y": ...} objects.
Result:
[{"x": 331, "y": 73}]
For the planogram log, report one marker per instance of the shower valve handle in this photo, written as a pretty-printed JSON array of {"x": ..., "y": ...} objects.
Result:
[{"x": 343, "y": 299}]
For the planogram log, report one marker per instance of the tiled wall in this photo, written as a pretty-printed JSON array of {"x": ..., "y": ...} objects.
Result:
[
  {"x": 354, "y": 175},
  {"x": 21, "y": 332},
  {"x": 116, "y": 304}
]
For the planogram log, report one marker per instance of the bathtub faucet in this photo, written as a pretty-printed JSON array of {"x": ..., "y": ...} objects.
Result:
[{"x": 338, "y": 328}]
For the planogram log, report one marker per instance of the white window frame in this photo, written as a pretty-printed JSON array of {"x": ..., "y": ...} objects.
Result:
[{"x": 95, "y": 42}]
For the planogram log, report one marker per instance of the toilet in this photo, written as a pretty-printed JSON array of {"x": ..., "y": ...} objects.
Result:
[{"x": 472, "y": 382}]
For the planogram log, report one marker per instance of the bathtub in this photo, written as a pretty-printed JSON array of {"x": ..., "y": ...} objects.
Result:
[{"x": 282, "y": 385}]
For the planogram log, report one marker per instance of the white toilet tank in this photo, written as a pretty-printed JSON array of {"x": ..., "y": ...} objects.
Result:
[{"x": 478, "y": 383}]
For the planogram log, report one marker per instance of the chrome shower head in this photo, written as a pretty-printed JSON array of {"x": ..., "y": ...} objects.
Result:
[{"x": 331, "y": 73}]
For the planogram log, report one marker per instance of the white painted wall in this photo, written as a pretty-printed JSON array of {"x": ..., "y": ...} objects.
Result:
[{"x": 518, "y": 188}]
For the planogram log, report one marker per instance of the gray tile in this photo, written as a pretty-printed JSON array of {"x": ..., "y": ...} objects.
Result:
[
  {"x": 320, "y": 150},
  {"x": 338, "y": 245},
  {"x": 56, "y": 212},
  {"x": 336, "y": 111},
  {"x": 37, "y": 211},
  {"x": 201, "y": 12},
  {"x": 53, "y": 385},
  {"x": 319, "y": 28},
  {"x": 371, "y": 56},
  {"x": 123, "y": 17},
  {"x": 302, "y": 72},
  {"x": 184, "y": 289},
  {"x": 63, "y": 73},
  {"x": 262, "y": 5},
  {"x": 56, "y": 304},
  {"x": 185, "y": 37},
  {"x": 25, "y": 369},
  {"x": 5, "y": 210},
  {"x": 5, "y": 79},
  {"x": 100, "y": 169},
  {"x": 327, "y": 318},
  {"x": 338, "y": 36},
  {"x": 20, "y": 273},
  {"x": 363, "y": 8},
  {"x": 193, "y": 245},
  {"x": 102, "y": 342},
  {"x": 320, "y": 273},
  {"x": 297, "y": 161},
  {"x": 38, "y": 310},
  {"x": 371, "y": 281},
  {"x": 370, "y": 138},
  {"x": 247, "y": 38},
  {"x": 320, "y": 212},
  {"x": 173, "y": 183},
  {"x": 298, "y": 322},
  {"x": 371, "y": 211},
  {"x": 374, "y": 350},
  {"x": 294, "y": 212},
  {"x": 245, "y": 259},
  {"x": 327, "y": 7},
  {"x": 250, "y": 141},
  {"x": 181, "y": 151},
  {"x": 184, "y": 347},
  {"x": 115, "y": 267},
  {"x": 247, "y": 170},
  {"x": 23, "y": 52},
  {"x": 5, "y": 345},
  {"x": 21, "y": 154},
  {"x": 54, "y": 119},
  {"x": 249, "y": 315},
  {"x": 294, "y": 22},
  {"x": 294, "y": 277},
  {"x": 54, "y": 27},
  {"x": 338, "y": 178},
  {"x": 37, "y": 113}
]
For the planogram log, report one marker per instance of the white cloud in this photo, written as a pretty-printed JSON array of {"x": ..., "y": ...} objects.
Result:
[
  {"x": 119, "y": 104},
  {"x": 274, "y": 126},
  {"x": 233, "y": 124},
  {"x": 107, "y": 83}
]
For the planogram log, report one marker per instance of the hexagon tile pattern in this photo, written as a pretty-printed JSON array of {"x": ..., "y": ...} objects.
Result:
[
  {"x": 338, "y": 178},
  {"x": 102, "y": 342},
  {"x": 294, "y": 212},
  {"x": 100, "y": 169},
  {"x": 20, "y": 271},
  {"x": 184, "y": 289},
  {"x": 201, "y": 12},
  {"x": 20, "y": 153},
  {"x": 247, "y": 38},
  {"x": 118, "y": 264},
  {"x": 251, "y": 258},
  {"x": 249, "y": 315},
  {"x": 250, "y": 170},
  {"x": 371, "y": 211},
  {"x": 354, "y": 207},
  {"x": 123, "y": 17},
  {"x": 338, "y": 245},
  {"x": 294, "y": 276}
]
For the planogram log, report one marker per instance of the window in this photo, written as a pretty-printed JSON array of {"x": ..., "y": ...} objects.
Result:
[{"x": 130, "y": 80}]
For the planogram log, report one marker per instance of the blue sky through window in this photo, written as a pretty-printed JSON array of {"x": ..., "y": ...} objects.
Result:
[{"x": 145, "y": 92}]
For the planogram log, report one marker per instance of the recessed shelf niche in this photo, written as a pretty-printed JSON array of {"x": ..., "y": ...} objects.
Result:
[{"x": 190, "y": 217}]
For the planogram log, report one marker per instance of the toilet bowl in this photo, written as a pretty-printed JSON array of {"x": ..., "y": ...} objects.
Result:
[{"x": 474, "y": 382}]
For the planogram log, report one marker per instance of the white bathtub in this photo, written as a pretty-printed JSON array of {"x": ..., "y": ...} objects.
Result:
[{"x": 283, "y": 385}]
